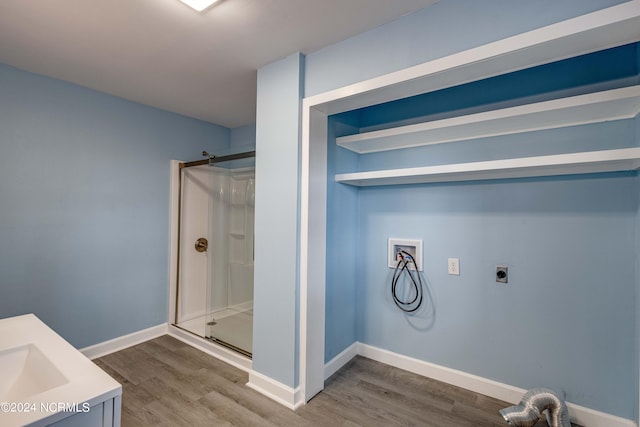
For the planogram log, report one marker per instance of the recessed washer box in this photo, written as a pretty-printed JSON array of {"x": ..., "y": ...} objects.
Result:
[{"x": 411, "y": 246}]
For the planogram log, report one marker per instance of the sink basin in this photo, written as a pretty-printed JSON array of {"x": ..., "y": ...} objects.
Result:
[
  {"x": 26, "y": 372},
  {"x": 45, "y": 380}
]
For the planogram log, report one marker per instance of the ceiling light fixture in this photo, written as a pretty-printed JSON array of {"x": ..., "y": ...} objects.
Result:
[{"x": 199, "y": 5}]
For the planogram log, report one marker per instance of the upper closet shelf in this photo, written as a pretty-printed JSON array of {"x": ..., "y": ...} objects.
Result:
[
  {"x": 625, "y": 159},
  {"x": 595, "y": 107}
]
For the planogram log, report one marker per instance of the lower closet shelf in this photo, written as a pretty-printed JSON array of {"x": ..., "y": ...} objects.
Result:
[{"x": 625, "y": 159}]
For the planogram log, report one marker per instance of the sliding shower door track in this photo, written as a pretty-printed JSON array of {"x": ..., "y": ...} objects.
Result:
[
  {"x": 229, "y": 346},
  {"x": 216, "y": 341}
]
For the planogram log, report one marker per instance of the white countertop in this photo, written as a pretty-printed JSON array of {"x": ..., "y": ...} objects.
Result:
[{"x": 85, "y": 382}]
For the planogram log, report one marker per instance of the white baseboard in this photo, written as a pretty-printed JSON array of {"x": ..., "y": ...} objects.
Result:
[
  {"x": 341, "y": 359},
  {"x": 579, "y": 414},
  {"x": 447, "y": 375},
  {"x": 125, "y": 341},
  {"x": 283, "y": 394},
  {"x": 219, "y": 352},
  {"x": 591, "y": 418}
]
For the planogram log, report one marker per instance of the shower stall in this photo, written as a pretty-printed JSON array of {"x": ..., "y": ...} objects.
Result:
[{"x": 214, "y": 283}]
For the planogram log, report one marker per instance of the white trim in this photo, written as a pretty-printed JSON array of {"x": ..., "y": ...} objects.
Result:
[
  {"x": 592, "y": 418},
  {"x": 341, "y": 359},
  {"x": 313, "y": 234},
  {"x": 447, "y": 375},
  {"x": 274, "y": 390},
  {"x": 212, "y": 349},
  {"x": 579, "y": 414},
  {"x": 304, "y": 347},
  {"x": 125, "y": 341}
]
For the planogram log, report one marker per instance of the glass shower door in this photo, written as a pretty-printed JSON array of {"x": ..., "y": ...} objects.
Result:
[
  {"x": 215, "y": 283},
  {"x": 230, "y": 294}
]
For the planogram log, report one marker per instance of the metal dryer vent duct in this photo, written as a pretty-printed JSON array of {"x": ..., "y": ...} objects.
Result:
[{"x": 533, "y": 403}]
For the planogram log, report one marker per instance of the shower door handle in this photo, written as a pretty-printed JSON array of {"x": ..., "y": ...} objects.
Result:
[{"x": 201, "y": 244}]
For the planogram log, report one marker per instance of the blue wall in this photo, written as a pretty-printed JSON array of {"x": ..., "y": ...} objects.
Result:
[
  {"x": 447, "y": 27},
  {"x": 567, "y": 319},
  {"x": 243, "y": 138},
  {"x": 342, "y": 272},
  {"x": 84, "y": 212},
  {"x": 275, "y": 311}
]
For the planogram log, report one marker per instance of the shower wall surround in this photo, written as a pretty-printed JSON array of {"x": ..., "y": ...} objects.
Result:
[{"x": 241, "y": 237}]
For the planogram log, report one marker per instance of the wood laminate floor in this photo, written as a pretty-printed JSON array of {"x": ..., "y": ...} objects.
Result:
[{"x": 168, "y": 383}]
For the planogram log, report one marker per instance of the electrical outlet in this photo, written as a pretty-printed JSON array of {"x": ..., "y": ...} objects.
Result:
[
  {"x": 502, "y": 274},
  {"x": 453, "y": 266}
]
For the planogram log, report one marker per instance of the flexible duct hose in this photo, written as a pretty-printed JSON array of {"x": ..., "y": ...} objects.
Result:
[{"x": 533, "y": 403}]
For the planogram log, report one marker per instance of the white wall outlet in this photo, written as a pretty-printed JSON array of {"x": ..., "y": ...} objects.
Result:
[
  {"x": 453, "y": 266},
  {"x": 410, "y": 246}
]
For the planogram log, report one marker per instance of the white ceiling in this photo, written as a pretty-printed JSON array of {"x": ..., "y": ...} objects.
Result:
[{"x": 164, "y": 54}]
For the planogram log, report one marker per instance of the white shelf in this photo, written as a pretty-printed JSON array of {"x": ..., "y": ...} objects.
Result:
[
  {"x": 625, "y": 159},
  {"x": 595, "y": 107}
]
